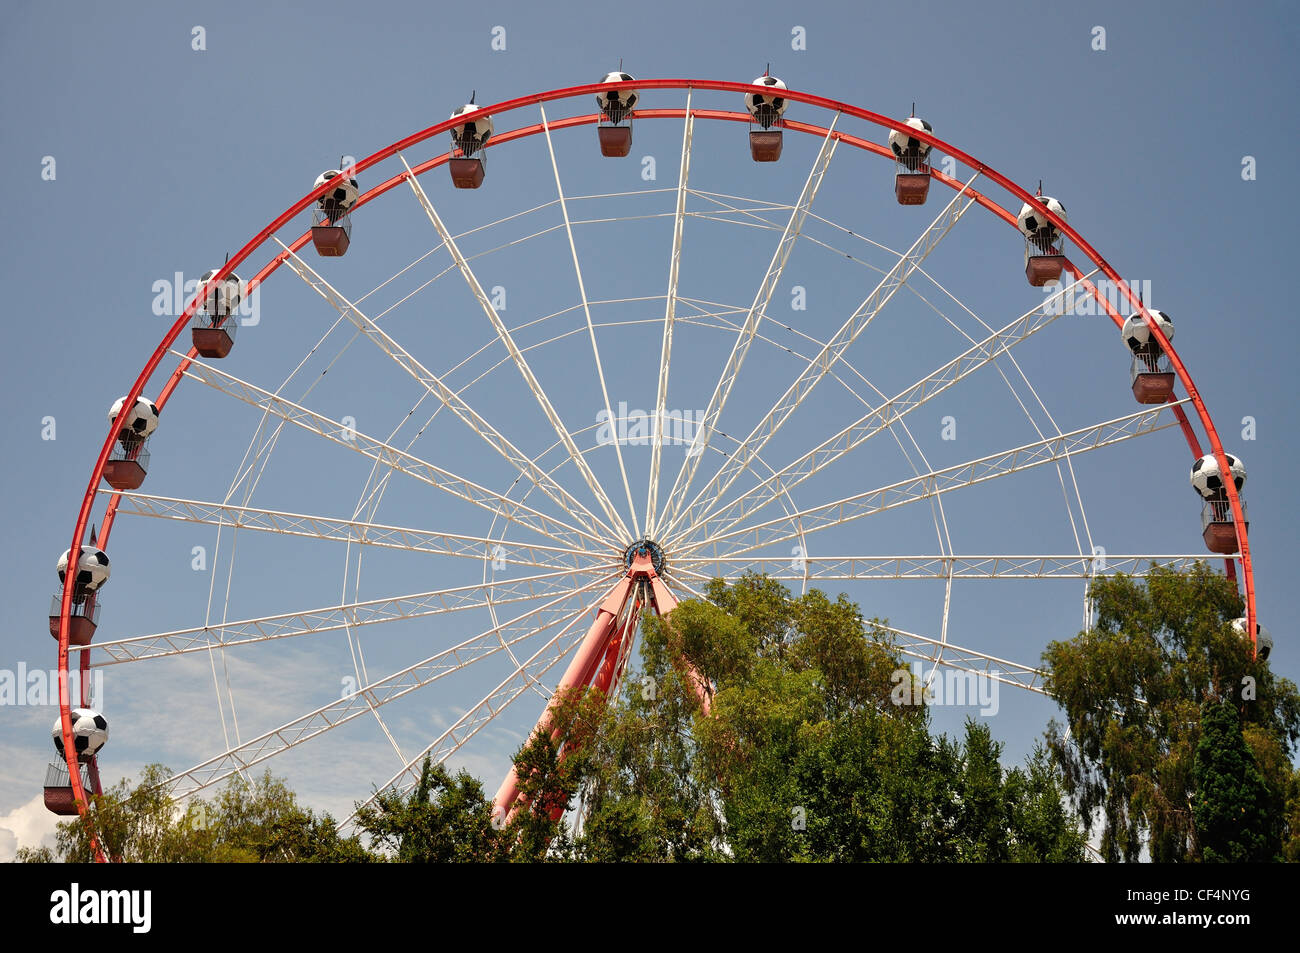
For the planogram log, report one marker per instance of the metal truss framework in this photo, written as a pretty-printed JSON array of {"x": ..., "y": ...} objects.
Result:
[
  {"x": 380, "y": 692},
  {"x": 711, "y": 534},
  {"x": 332, "y": 618},
  {"x": 943, "y": 480},
  {"x": 367, "y": 534},
  {"x": 931, "y": 567}
]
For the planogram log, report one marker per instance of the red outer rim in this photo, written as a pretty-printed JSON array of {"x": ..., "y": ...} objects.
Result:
[{"x": 87, "y": 503}]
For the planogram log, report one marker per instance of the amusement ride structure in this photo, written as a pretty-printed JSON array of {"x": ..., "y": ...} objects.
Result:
[{"x": 594, "y": 559}]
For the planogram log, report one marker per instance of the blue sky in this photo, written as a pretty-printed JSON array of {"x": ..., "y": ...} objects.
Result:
[{"x": 167, "y": 157}]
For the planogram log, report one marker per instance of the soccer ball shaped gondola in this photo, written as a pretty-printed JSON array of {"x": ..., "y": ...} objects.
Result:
[
  {"x": 89, "y": 733},
  {"x": 1207, "y": 481},
  {"x": 766, "y": 106},
  {"x": 473, "y": 134},
  {"x": 1263, "y": 638},
  {"x": 344, "y": 194},
  {"x": 1137, "y": 335},
  {"x": 223, "y": 298},
  {"x": 140, "y": 422},
  {"x": 1037, "y": 228},
  {"x": 617, "y": 103},
  {"x": 92, "y": 569},
  {"x": 911, "y": 152}
]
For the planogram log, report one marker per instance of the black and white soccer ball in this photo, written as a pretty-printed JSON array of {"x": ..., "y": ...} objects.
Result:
[
  {"x": 89, "y": 733},
  {"x": 617, "y": 103},
  {"x": 141, "y": 421},
  {"x": 1034, "y": 225},
  {"x": 222, "y": 298},
  {"x": 905, "y": 147},
  {"x": 473, "y": 133},
  {"x": 345, "y": 191},
  {"x": 1207, "y": 480},
  {"x": 92, "y": 568},
  {"x": 766, "y": 105},
  {"x": 1263, "y": 638},
  {"x": 1137, "y": 335}
]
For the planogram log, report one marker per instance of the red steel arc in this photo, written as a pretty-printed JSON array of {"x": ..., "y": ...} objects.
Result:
[{"x": 608, "y": 634}]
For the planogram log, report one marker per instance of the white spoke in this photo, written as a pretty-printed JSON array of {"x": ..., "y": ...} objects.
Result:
[
  {"x": 940, "y": 520},
  {"x": 1078, "y": 496},
  {"x": 376, "y": 694},
  {"x": 670, "y": 315},
  {"x": 591, "y": 330},
  {"x": 747, "y": 217},
  {"x": 775, "y": 269},
  {"x": 352, "y": 439},
  {"x": 679, "y": 583},
  {"x": 968, "y": 660},
  {"x": 503, "y": 333},
  {"x": 831, "y": 352},
  {"x": 445, "y": 395},
  {"x": 525, "y": 675},
  {"x": 876, "y": 420},
  {"x": 945, "y": 480},
  {"x": 1067, "y": 566},
  {"x": 249, "y": 474},
  {"x": 357, "y": 531},
  {"x": 332, "y": 618}
]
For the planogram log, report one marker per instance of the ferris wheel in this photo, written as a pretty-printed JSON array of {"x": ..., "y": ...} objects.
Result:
[{"x": 522, "y": 491}]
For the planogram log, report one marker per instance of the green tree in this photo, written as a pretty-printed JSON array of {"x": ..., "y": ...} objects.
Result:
[
  {"x": 550, "y": 768},
  {"x": 1043, "y": 828},
  {"x": 1132, "y": 689},
  {"x": 809, "y": 752},
  {"x": 247, "y": 822},
  {"x": 34, "y": 855},
  {"x": 261, "y": 820},
  {"x": 1291, "y": 815},
  {"x": 444, "y": 819},
  {"x": 804, "y": 756},
  {"x": 645, "y": 796},
  {"x": 137, "y": 823},
  {"x": 1235, "y": 821}
]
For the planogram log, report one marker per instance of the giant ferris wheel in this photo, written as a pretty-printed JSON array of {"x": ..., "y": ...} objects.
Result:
[{"x": 525, "y": 466}]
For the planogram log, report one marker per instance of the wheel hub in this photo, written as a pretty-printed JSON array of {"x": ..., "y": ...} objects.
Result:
[{"x": 649, "y": 548}]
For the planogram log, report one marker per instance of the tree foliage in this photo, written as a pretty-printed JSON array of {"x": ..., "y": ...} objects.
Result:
[
  {"x": 1234, "y": 819},
  {"x": 1133, "y": 688},
  {"x": 808, "y": 753},
  {"x": 444, "y": 819},
  {"x": 247, "y": 822},
  {"x": 803, "y": 757}
]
